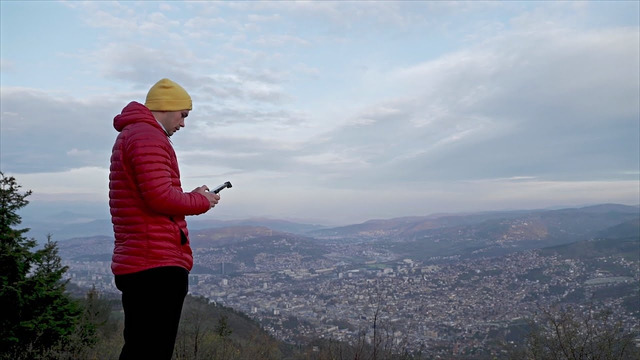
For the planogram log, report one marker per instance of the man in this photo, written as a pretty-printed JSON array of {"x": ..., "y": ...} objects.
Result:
[{"x": 152, "y": 256}]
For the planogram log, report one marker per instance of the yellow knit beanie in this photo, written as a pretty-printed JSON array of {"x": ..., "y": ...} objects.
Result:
[{"x": 167, "y": 95}]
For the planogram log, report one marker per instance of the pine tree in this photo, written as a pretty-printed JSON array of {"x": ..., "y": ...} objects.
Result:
[
  {"x": 15, "y": 260},
  {"x": 224, "y": 331},
  {"x": 36, "y": 313}
]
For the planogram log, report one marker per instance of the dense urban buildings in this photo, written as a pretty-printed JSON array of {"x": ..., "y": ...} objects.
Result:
[{"x": 461, "y": 304}]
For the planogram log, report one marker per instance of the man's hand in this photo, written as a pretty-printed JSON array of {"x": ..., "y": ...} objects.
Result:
[{"x": 204, "y": 190}]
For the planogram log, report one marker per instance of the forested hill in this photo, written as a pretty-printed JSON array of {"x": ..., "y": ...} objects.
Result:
[
  {"x": 207, "y": 331},
  {"x": 620, "y": 240}
]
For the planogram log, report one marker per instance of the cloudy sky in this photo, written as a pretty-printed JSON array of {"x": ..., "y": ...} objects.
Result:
[{"x": 333, "y": 112}]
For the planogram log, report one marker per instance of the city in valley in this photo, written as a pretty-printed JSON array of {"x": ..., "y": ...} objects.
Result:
[{"x": 425, "y": 283}]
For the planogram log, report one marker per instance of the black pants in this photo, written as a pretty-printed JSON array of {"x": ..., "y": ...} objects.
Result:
[{"x": 152, "y": 302}]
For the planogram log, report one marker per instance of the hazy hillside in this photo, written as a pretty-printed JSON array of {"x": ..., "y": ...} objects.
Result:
[
  {"x": 274, "y": 224},
  {"x": 518, "y": 231},
  {"x": 622, "y": 239},
  {"x": 94, "y": 248},
  {"x": 538, "y": 223},
  {"x": 66, "y": 225},
  {"x": 248, "y": 248},
  {"x": 422, "y": 238},
  {"x": 64, "y": 228},
  {"x": 627, "y": 229}
]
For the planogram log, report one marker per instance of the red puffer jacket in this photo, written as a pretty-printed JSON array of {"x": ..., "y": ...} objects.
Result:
[{"x": 148, "y": 206}]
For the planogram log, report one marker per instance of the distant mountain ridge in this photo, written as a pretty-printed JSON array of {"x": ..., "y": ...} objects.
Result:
[
  {"x": 67, "y": 225},
  {"x": 420, "y": 238},
  {"x": 527, "y": 230},
  {"x": 415, "y": 226},
  {"x": 274, "y": 224}
]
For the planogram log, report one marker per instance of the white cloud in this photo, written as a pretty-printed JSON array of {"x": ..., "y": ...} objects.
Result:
[
  {"x": 40, "y": 129},
  {"x": 91, "y": 183},
  {"x": 80, "y": 153}
]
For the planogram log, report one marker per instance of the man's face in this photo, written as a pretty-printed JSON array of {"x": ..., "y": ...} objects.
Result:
[{"x": 172, "y": 120}]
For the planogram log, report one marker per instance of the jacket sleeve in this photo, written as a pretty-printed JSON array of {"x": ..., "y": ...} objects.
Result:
[{"x": 158, "y": 179}]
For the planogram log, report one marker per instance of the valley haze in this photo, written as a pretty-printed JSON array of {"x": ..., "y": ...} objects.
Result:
[{"x": 66, "y": 225}]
